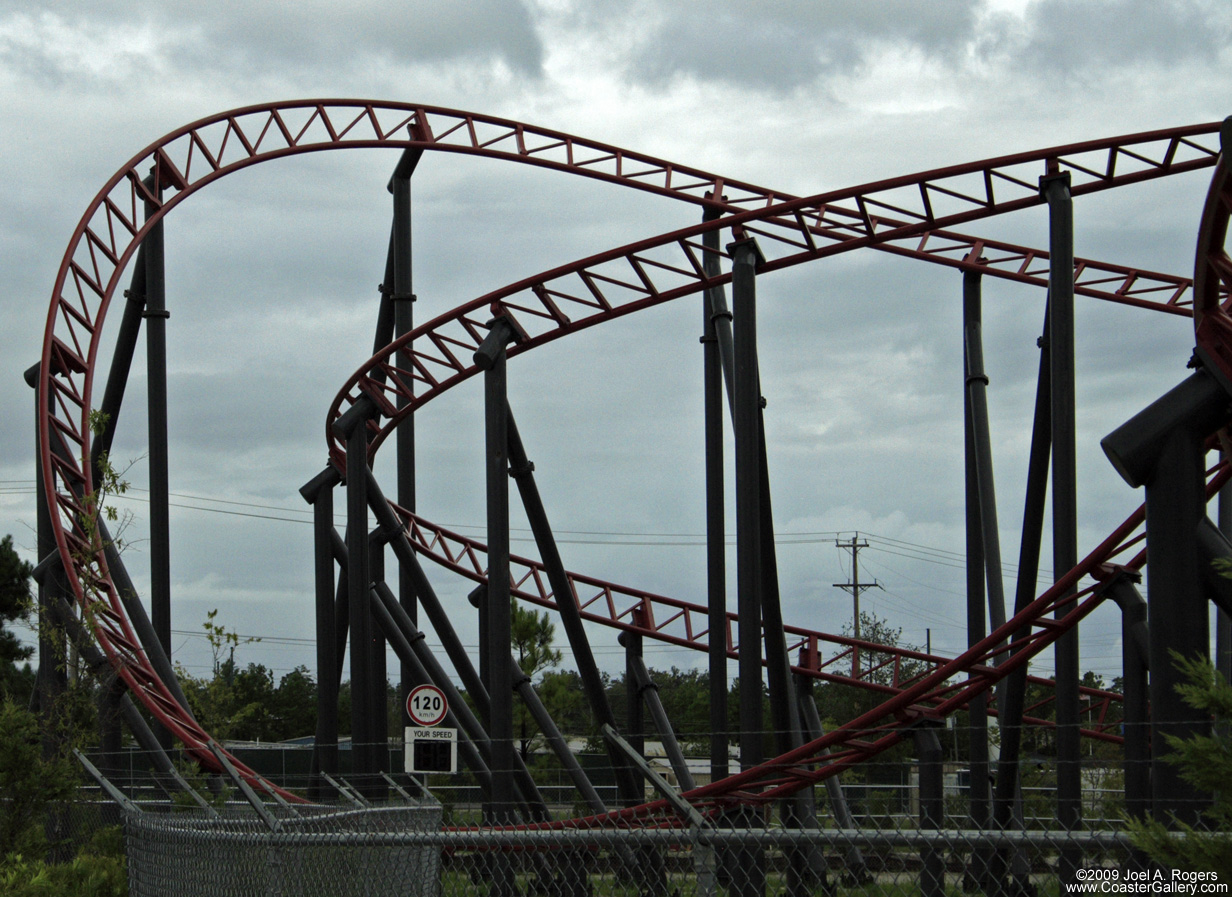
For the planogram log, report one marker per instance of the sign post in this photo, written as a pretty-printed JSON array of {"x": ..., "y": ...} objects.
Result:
[{"x": 428, "y": 748}]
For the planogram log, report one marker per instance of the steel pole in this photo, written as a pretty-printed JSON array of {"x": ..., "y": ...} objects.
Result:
[
  {"x": 1135, "y": 653},
  {"x": 976, "y": 554},
  {"x": 932, "y": 808},
  {"x": 1223, "y": 620},
  {"x": 1055, "y": 188},
  {"x": 716, "y": 535},
  {"x": 51, "y": 680},
  {"x": 352, "y": 426},
  {"x": 156, "y": 315},
  {"x": 649, "y": 692},
  {"x": 751, "y": 877},
  {"x": 121, "y": 359},
  {"x": 1011, "y": 711},
  {"x": 522, "y": 471},
  {"x": 491, "y": 359},
  {"x": 1163, "y": 449},
  {"x": 319, "y": 492},
  {"x": 378, "y": 705},
  {"x": 1179, "y": 614},
  {"x": 635, "y": 724},
  {"x": 403, "y": 297}
]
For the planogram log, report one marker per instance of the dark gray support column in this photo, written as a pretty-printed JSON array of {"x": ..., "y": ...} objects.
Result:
[
  {"x": 403, "y": 297},
  {"x": 716, "y": 536},
  {"x": 427, "y": 669},
  {"x": 379, "y": 707},
  {"x": 1223, "y": 619},
  {"x": 1162, "y": 447},
  {"x": 751, "y": 872},
  {"x": 555, "y": 740},
  {"x": 156, "y": 373},
  {"x": 648, "y": 692},
  {"x": 650, "y": 873},
  {"x": 1179, "y": 612},
  {"x": 111, "y": 733},
  {"x": 977, "y": 388},
  {"x": 522, "y": 471},
  {"x": 635, "y": 725},
  {"x": 533, "y": 805},
  {"x": 1028, "y": 569},
  {"x": 352, "y": 426},
  {"x": 476, "y": 691},
  {"x": 1135, "y": 654},
  {"x": 748, "y": 499},
  {"x": 1055, "y": 188},
  {"x": 804, "y": 866},
  {"x": 319, "y": 492},
  {"x": 490, "y": 357},
  {"x": 121, "y": 359},
  {"x": 428, "y": 600},
  {"x": 857, "y": 870},
  {"x": 783, "y": 711},
  {"x": 52, "y": 679},
  {"x": 977, "y": 548},
  {"x": 1216, "y": 552},
  {"x": 932, "y": 809}
]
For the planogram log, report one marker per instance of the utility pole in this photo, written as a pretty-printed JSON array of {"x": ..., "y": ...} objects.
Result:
[{"x": 855, "y": 587}]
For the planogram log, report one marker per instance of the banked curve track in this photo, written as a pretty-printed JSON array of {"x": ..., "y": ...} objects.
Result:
[{"x": 905, "y": 216}]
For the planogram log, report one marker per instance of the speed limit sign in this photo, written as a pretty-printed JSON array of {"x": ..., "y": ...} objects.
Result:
[{"x": 426, "y": 705}]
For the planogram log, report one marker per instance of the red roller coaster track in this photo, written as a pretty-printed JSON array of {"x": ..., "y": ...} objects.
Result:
[{"x": 906, "y": 216}]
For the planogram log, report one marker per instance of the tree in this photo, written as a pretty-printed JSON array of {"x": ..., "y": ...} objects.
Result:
[
  {"x": 1205, "y": 762},
  {"x": 532, "y": 634},
  {"x": 296, "y": 707},
  {"x": 232, "y": 703},
  {"x": 29, "y": 784},
  {"x": 15, "y": 603}
]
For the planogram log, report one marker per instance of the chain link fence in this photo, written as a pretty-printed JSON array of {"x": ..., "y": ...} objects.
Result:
[
  {"x": 430, "y": 842},
  {"x": 402, "y": 851},
  {"x": 308, "y": 851}
]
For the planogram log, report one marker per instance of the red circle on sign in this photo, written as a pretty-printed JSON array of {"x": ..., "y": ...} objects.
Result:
[{"x": 426, "y": 705}]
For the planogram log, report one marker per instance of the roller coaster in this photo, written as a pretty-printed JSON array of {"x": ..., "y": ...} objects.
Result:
[{"x": 83, "y": 581}]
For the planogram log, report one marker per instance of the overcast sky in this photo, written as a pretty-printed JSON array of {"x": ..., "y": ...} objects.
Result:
[{"x": 272, "y": 274}]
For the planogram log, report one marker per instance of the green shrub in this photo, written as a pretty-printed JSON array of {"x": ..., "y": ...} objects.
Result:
[
  {"x": 87, "y": 875},
  {"x": 1206, "y": 762}
]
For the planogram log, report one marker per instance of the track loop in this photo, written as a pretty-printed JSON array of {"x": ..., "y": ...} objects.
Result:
[{"x": 905, "y": 216}]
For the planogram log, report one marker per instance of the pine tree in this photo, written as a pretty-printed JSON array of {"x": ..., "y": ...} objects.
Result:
[{"x": 14, "y": 605}]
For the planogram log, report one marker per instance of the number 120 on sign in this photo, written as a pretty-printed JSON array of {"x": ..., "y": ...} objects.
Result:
[{"x": 426, "y": 705}]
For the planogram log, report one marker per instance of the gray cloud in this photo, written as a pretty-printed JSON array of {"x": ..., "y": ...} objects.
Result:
[
  {"x": 114, "y": 40},
  {"x": 1111, "y": 38},
  {"x": 784, "y": 44}
]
